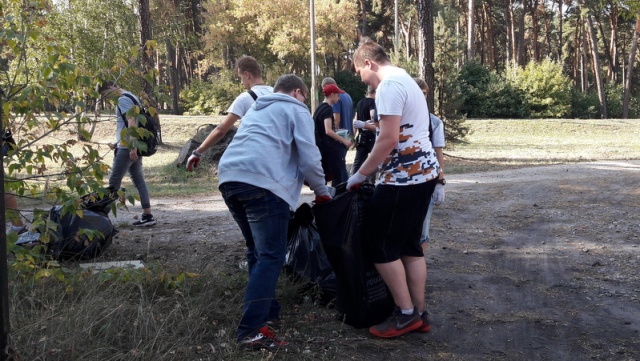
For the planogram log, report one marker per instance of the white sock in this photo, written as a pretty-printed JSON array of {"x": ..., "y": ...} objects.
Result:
[{"x": 407, "y": 312}]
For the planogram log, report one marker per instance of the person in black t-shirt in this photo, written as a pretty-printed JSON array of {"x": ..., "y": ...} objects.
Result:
[
  {"x": 365, "y": 123},
  {"x": 331, "y": 144}
]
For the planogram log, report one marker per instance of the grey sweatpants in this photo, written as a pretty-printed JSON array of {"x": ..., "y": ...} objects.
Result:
[{"x": 122, "y": 163}]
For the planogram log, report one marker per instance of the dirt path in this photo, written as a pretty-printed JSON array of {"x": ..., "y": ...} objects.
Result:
[
  {"x": 531, "y": 264},
  {"x": 538, "y": 264}
]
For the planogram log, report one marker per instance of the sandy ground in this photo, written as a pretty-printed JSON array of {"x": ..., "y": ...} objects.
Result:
[{"x": 530, "y": 264}]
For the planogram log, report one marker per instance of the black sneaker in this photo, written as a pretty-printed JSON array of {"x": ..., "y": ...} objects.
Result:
[
  {"x": 265, "y": 339},
  {"x": 397, "y": 324},
  {"x": 146, "y": 220}
]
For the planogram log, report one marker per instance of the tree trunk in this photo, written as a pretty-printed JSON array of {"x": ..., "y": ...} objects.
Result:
[
  {"x": 560, "y": 2},
  {"x": 535, "y": 32},
  {"x": 173, "y": 77},
  {"x": 405, "y": 27},
  {"x": 491, "y": 51},
  {"x": 520, "y": 39},
  {"x": 595, "y": 61},
  {"x": 363, "y": 18},
  {"x": 627, "y": 79},
  {"x": 613, "y": 47},
  {"x": 426, "y": 48},
  {"x": 145, "y": 36},
  {"x": 471, "y": 30},
  {"x": 509, "y": 45}
]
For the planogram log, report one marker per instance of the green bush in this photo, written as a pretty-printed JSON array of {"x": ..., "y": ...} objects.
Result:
[
  {"x": 613, "y": 95},
  {"x": 486, "y": 94},
  {"x": 211, "y": 97},
  {"x": 546, "y": 88},
  {"x": 474, "y": 80},
  {"x": 584, "y": 105}
]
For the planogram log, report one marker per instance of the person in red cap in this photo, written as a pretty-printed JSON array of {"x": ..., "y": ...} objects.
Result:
[{"x": 332, "y": 146}]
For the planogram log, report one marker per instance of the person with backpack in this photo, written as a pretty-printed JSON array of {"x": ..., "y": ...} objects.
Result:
[
  {"x": 261, "y": 174},
  {"x": 408, "y": 175},
  {"x": 126, "y": 157},
  {"x": 436, "y": 134},
  {"x": 250, "y": 73}
]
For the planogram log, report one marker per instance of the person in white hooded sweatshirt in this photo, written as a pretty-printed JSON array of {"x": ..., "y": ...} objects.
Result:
[{"x": 261, "y": 174}]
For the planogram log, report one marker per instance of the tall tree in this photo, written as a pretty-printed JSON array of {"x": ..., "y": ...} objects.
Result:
[
  {"x": 630, "y": 64},
  {"x": 471, "y": 30},
  {"x": 426, "y": 48},
  {"x": 595, "y": 58},
  {"x": 145, "y": 36},
  {"x": 535, "y": 31}
]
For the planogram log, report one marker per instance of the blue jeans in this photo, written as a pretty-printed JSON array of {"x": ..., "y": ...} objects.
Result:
[
  {"x": 344, "y": 174},
  {"x": 424, "y": 237},
  {"x": 263, "y": 219},
  {"x": 121, "y": 164}
]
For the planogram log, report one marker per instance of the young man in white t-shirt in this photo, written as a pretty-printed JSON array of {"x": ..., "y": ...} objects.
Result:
[
  {"x": 408, "y": 175},
  {"x": 250, "y": 73}
]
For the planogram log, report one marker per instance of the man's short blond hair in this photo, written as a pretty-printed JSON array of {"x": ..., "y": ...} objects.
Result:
[{"x": 369, "y": 49}]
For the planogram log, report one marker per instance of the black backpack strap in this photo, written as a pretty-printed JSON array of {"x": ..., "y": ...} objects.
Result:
[
  {"x": 253, "y": 94},
  {"x": 135, "y": 102}
]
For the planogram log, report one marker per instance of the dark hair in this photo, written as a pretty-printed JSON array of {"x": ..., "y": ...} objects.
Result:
[
  {"x": 250, "y": 64},
  {"x": 369, "y": 49},
  {"x": 105, "y": 86},
  {"x": 422, "y": 84},
  {"x": 288, "y": 83}
]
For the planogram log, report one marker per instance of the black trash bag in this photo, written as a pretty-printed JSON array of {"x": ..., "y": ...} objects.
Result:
[
  {"x": 68, "y": 244},
  {"x": 306, "y": 260},
  {"x": 363, "y": 299}
]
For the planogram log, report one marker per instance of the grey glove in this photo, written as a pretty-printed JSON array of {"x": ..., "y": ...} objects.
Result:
[{"x": 438, "y": 195}]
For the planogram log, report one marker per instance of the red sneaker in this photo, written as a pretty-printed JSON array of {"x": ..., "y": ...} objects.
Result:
[
  {"x": 265, "y": 339},
  {"x": 397, "y": 324}
]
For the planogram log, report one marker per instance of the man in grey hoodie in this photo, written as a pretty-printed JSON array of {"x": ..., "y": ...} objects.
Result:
[{"x": 260, "y": 177}]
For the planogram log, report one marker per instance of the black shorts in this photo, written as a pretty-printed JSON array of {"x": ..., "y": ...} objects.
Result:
[{"x": 393, "y": 221}]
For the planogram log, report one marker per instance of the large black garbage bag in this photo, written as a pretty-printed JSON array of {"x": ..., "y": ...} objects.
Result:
[
  {"x": 68, "y": 243},
  {"x": 363, "y": 299},
  {"x": 306, "y": 260}
]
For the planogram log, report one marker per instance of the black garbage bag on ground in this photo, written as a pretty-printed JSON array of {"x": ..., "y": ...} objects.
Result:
[
  {"x": 67, "y": 242},
  {"x": 363, "y": 299},
  {"x": 306, "y": 260}
]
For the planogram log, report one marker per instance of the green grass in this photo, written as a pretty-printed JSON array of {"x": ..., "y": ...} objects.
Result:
[
  {"x": 498, "y": 144},
  {"x": 493, "y": 144},
  {"x": 162, "y": 175}
]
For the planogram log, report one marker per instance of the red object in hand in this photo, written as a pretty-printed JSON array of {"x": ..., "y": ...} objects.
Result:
[
  {"x": 323, "y": 199},
  {"x": 192, "y": 162}
]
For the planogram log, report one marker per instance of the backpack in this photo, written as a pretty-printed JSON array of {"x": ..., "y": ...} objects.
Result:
[
  {"x": 8, "y": 143},
  {"x": 150, "y": 125}
]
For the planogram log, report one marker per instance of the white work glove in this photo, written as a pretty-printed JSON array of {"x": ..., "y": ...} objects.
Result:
[
  {"x": 438, "y": 195},
  {"x": 355, "y": 181},
  {"x": 358, "y": 124}
]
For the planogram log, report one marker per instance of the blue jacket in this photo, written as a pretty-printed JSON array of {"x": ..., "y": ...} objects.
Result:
[{"x": 274, "y": 148}]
